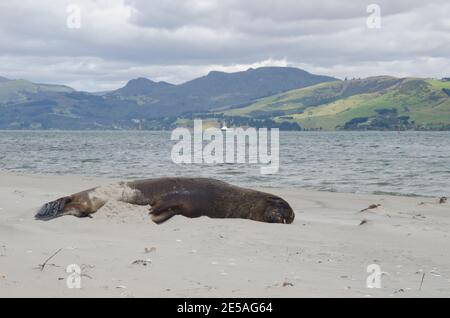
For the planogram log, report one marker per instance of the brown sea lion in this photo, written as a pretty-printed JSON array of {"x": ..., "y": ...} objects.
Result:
[{"x": 191, "y": 197}]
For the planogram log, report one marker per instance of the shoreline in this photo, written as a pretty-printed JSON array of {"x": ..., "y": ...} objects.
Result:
[
  {"x": 106, "y": 179},
  {"x": 324, "y": 253}
]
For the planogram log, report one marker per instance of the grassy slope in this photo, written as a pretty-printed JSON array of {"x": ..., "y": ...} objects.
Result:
[
  {"x": 288, "y": 101},
  {"x": 17, "y": 90},
  {"x": 422, "y": 99}
]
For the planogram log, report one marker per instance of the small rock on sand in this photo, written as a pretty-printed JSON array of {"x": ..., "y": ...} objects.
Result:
[{"x": 150, "y": 249}]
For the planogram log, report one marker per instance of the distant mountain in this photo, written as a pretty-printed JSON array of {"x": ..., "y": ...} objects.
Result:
[
  {"x": 375, "y": 103},
  {"x": 288, "y": 98},
  {"x": 217, "y": 89},
  {"x": 140, "y": 86},
  {"x": 24, "y": 104}
]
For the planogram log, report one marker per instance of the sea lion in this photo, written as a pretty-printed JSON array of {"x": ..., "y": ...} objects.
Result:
[{"x": 190, "y": 197}]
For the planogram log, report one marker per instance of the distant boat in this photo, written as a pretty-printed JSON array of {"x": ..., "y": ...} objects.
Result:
[{"x": 224, "y": 128}]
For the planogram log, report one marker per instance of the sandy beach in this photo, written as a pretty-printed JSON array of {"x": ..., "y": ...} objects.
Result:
[{"x": 324, "y": 253}]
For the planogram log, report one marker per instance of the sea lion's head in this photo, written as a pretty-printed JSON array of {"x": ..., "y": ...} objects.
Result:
[
  {"x": 63, "y": 206},
  {"x": 278, "y": 211}
]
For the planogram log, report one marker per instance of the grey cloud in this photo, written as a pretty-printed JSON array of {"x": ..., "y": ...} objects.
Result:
[{"x": 176, "y": 40}]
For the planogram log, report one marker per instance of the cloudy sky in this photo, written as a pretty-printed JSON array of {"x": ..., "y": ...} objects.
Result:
[{"x": 177, "y": 40}]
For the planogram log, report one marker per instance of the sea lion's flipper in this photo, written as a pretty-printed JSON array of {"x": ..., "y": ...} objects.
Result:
[
  {"x": 172, "y": 200},
  {"x": 167, "y": 206},
  {"x": 160, "y": 207},
  {"x": 163, "y": 216},
  {"x": 52, "y": 209}
]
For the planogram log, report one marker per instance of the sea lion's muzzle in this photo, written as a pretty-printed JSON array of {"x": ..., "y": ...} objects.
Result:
[
  {"x": 279, "y": 211},
  {"x": 290, "y": 218},
  {"x": 52, "y": 209},
  {"x": 279, "y": 218}
]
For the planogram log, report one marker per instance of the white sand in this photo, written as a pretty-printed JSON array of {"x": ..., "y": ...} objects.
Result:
[{"x": 325, "y": 252}]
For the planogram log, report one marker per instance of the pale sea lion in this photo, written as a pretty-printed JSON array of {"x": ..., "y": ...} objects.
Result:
[{"x": 191, "y": 197}]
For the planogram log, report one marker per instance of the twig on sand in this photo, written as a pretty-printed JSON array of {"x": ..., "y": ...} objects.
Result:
[
  {"x": 371, "y": 207},
  {"x": 421, "y": 282},
  {"x": 42, "y": 266},
  {"x": 363, "y": 222}
]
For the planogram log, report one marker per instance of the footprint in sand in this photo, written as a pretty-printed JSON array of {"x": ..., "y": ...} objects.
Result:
[{"x": 19, "y": 193}]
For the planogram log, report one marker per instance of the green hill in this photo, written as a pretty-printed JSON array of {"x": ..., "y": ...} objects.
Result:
[
  {"x": 13, "y": 91},
  {"x": 142, "y": 103},
  {"x": 374, "y": 103},
  {"x": 288, "y": 98},
  {"x": 221, "y": 90}
]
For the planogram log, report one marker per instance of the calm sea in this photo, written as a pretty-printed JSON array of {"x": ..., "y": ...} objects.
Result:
[{"x": 409, "y": 163}]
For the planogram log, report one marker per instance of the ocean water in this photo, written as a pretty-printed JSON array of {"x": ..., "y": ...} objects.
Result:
[{"x": 409, "y": 163}]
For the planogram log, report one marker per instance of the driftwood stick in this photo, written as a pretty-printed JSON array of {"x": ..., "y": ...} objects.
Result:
[
  {"x": 42, "y": 266},
  {"x": 421, "y": 282}
]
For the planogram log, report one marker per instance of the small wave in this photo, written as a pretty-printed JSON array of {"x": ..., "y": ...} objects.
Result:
[
  {"x": 380, "y": 184},
  {"x": 91, "y": 160},
  {"x": 231, "y": 172},
  {"x": 399, "y": 194}
]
